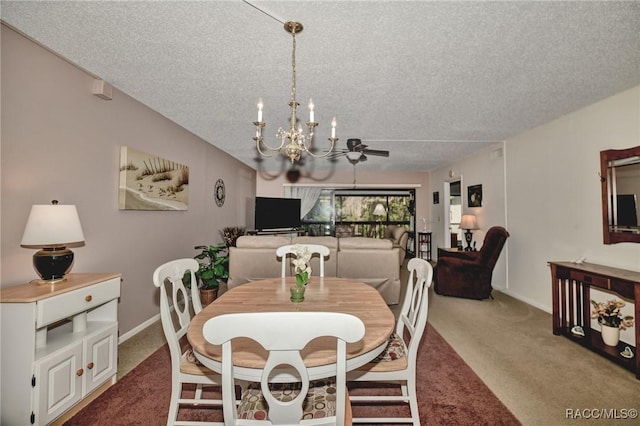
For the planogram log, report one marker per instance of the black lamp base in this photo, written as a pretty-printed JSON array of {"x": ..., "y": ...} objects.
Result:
[
  {"x": 468, "y": 236},
  {"x": 52, "y": 264}
]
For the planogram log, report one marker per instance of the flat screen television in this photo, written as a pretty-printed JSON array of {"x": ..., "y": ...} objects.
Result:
[{"x": 277, "y": 213}]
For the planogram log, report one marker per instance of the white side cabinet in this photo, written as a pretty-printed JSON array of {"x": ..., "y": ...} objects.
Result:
[{"x": 58, "y": 343}]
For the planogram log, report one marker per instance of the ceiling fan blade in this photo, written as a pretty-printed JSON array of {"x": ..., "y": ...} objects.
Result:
[{"x": 378, "y": 152}]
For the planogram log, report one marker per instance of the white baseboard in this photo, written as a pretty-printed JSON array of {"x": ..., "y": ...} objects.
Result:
[
  {"x": 138, "y": 329},
  {"x": 528, "y": 301}
]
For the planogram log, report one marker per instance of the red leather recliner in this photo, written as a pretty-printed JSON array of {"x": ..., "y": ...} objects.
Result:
[{"x": 468, "y": 273}]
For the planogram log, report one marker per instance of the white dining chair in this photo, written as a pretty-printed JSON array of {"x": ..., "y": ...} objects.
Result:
[
  {"x": 175, "y": 317},
  {"x": 397, "y": 364},
  {"x": 285, "y": 395},
  {"x": 320, "y": 250}
]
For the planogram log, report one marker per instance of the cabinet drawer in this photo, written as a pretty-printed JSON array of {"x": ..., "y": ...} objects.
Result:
[
  {"x": 594, "y": 280},
  {"x": 67, "y": 304}
]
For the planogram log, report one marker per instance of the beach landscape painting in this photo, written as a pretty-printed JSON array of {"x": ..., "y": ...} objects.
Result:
[{"x": 149, "y": 182}]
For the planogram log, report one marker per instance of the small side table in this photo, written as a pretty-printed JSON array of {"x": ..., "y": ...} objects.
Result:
[{"x": 424, "y": 245}]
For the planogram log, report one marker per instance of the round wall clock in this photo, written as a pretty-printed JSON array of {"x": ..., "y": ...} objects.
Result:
[{"x": 219, "y": 192}]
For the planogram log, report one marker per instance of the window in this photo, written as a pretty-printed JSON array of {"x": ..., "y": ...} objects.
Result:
[{"x": 355, "y": 208}]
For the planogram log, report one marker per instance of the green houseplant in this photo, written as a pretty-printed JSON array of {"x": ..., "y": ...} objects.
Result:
[{"x": 213, "y": 270}]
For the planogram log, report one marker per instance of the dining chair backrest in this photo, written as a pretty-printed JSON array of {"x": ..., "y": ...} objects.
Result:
[
  {"x": 320, "y": 250},
  {"x": 415, "y": 308},
  {"x": 178, "y": 304},
  {"x": 185, "y": 302},
  {"x": 283, "y": 335}
]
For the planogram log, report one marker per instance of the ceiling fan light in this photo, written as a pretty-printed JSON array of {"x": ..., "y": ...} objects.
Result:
[{"x": 353, "y": 155}]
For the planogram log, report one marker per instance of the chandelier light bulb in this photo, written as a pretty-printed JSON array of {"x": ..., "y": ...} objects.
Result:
[
  {"x": 311, "y": 114},
  {"x": 260, "y": 105}
]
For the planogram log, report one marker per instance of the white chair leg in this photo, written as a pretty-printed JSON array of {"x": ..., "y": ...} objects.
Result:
[{"x": 176, "y": 389}]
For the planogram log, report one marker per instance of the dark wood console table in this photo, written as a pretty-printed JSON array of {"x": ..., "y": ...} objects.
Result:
[{"x": 570, "y": 288}]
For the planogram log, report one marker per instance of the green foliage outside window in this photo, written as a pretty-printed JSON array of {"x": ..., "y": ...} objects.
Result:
[{"x": 356, "y": 210}]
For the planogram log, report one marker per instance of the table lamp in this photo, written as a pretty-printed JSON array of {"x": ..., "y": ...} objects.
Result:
[
  {"x": 379, "y": 211},
  {"x": 52, "y": 228},
  {"x": 468, "y": 222}
]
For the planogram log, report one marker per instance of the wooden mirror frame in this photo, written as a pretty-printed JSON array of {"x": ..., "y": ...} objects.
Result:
[{"x": 609, "y": 236}]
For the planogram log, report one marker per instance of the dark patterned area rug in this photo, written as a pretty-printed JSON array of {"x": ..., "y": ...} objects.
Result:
[{"x": 449, "y": 393}]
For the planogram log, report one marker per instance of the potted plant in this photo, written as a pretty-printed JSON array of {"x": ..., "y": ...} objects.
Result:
[
  {"x": 213, "y": 270},
  {"x": 611, "y": 320},
  {"x": 230, "y": 234}
]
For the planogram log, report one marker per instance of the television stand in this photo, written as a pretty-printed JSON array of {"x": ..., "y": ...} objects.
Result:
[{"x": 296, "y": 232}]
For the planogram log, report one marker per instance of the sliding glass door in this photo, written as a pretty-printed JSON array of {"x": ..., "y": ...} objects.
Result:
[{"x": 360, "y": 212}]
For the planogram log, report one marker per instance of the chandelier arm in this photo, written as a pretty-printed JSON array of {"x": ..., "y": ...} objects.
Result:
[
  {"x": 260, "y": 142},
  {"x": 333, "y": 142}
]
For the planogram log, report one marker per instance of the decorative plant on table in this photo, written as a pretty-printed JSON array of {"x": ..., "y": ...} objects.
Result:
[
  {"x": 301, "y": 264},
  {"x": 611, "y": 319},
  {"x": 213, "y": 270},
  {"x": 302, "y": 270}
]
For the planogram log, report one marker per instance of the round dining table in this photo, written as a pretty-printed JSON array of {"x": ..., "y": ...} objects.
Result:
[{"x": 328, "y": 294}]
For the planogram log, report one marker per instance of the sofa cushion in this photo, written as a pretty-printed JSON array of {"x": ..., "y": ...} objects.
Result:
[
  {"x": 262, "y": 241},
  {"x": 364, "y": 243},
  {"x": 397, "y": 233},
  {"x": 330, "y": 242}
]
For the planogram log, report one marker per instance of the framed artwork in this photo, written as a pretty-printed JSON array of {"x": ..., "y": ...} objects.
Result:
[
  {"x": 149, "y": 182},
  {"x": 436, "y": 197},
  {"x": 474, "y": 196}
]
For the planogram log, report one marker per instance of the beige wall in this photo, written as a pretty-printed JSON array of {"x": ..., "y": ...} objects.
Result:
[
  {"x": 552, "y": 193},
  {"x": 61, "y": 142},
  {"x": 485, "y": 168}
]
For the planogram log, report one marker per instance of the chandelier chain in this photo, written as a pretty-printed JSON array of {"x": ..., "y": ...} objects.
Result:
[{"x": 293, "y": 66}]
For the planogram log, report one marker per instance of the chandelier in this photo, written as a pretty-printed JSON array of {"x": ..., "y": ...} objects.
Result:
[{"x": 299, "y": 140}]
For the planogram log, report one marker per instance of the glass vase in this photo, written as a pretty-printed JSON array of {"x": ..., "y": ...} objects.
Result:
[{"x": 297, "y": 293}]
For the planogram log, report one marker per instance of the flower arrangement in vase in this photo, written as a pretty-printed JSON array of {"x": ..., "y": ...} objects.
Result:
[
  {"x": 301, "y": 264},
  {"x": 611, "y": 319},
  {"x": 302, "y": 271}
]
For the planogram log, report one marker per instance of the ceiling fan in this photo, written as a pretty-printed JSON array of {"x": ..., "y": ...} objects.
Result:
[{"x": 357, "y": 151}]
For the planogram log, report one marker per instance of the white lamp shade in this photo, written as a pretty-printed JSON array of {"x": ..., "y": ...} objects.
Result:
[
  {"x": 52, "y": 224},
  {"x": 468, "y": 221},
  {"x": 354, "y": 155},
  {"x": 379, "y": 210}
]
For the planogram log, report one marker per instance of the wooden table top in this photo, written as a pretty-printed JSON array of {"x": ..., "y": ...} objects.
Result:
[
  {"x": 321, "y": 295},
  {"x": 33, "y": 291}
]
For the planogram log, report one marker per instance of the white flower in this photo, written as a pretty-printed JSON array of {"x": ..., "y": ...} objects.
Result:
[{"x": 303, "y": 257}]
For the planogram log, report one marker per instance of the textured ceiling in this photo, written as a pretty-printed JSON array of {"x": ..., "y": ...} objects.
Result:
[{"x": 429, "y": 81}]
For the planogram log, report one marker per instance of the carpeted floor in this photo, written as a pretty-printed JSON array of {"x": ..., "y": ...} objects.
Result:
[{"x": 449, "y": 393}]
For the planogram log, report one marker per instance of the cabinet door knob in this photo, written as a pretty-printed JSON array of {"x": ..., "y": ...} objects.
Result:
[
  {"x": 80, "y": 372},
  {"x": 90, "y": 366},
  {"x": 88, "y": 298}
]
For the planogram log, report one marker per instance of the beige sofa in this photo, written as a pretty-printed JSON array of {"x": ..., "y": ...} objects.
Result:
[
  {"x": 369, "y": 260},
  {"x": 399, "y": 236}
]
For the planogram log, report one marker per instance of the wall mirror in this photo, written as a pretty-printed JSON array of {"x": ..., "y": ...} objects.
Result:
[{"x": 620, "y": 176}]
